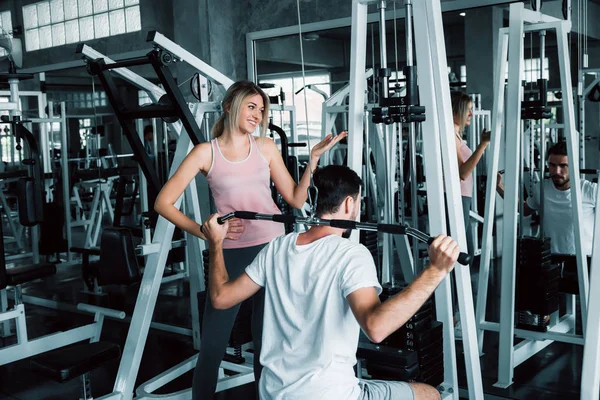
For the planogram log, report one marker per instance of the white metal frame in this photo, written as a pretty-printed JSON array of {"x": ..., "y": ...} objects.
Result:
[
  {"x": 25, "y": 348},
  {"x": 435, "y": 96},
  {"x": 481, "y": 120},
  {"x": 511, "y": 46},
  {"x": 590, "y": 374},
  {"x": 583, "y": 89}
]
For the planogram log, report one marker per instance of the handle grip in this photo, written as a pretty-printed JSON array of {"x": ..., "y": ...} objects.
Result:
[{"x": 463, "y": 258}]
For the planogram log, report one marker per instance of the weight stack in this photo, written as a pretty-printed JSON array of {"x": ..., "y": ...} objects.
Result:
[
  {"x": 389, "y": 363},
  {"x": 370, "y": 240},
  {"x": 420, "y": 334},
  {"x": 536, "y": 284}
]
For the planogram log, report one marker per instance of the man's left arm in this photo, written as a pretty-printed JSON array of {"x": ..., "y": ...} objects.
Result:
[{"x": 224, "y": 293}]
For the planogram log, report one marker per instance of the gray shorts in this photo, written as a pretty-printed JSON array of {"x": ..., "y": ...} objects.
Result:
[{"x": 383, "y": 390}]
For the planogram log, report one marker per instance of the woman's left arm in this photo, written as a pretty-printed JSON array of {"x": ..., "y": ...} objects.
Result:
[{"x": 296, "y": 194}]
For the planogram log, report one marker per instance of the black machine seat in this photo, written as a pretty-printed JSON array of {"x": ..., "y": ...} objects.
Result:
[
  {"x": 118, "y": 263},
  {"x": 27, "y": 273},
  {"x": 73, "y": 361}
]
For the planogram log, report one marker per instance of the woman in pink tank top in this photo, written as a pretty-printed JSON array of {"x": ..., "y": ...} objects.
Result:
[
  {"x": 462, "y": 111},
  {"x": 239, "y": 168}
]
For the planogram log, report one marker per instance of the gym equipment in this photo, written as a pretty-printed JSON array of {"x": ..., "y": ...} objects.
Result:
[
  {"x": 434, "y": 95},
  {"x": 463, "y": 258},
  {"x": 384, "y": 362},
  {"x": 422, "y": 335},
  {"x": 537, "y": 282},
  {"x": 78, "y": 360},
  {"x": 118, "y": 264},
  {"x": 511, "y": 47},
  {"x": 158, "y": 247}
]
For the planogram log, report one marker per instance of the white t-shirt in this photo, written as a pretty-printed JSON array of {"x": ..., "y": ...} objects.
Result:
[
  {"x": 310, "y": 334},
  {"x": 558, "y": 217}
]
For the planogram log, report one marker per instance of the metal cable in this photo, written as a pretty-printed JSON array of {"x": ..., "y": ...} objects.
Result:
[{"x": 312, "y": 202}]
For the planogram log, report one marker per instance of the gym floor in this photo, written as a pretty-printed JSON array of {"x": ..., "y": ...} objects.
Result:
[{"x": 554, "y": 373}]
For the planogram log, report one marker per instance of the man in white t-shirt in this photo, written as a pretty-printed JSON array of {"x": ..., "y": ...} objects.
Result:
[
  {"x": 558, "y": 215},
  {"x": 320, "y": 289}
]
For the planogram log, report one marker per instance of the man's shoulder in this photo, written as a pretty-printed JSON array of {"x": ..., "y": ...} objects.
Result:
[
  {"x": 589, "y": 190},
  {"x": 348, "y": 245}
]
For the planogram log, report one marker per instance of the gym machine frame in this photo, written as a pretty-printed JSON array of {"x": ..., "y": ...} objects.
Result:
[
  {"x": 435, "y": 96},
  {"x": 481, "y": 120},
  {"x": 157, "y": 252},
  {"x": 511, "y": 45},
  {"x": 590, "y": 375},
  {"x": 582, "y": 91}
]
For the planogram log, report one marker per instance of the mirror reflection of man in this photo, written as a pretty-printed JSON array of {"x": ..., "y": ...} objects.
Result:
[
  {"x": 558, "y": 216},
  {"x": 148, "y": 141}
]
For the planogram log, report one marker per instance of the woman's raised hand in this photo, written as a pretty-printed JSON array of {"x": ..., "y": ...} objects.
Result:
[
  {"x": 320, "y": 148},
  {"x": 486, "y": 136}
]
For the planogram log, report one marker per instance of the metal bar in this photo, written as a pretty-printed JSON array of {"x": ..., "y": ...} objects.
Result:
[
  {"x": 163, "y": 42},
  {"x": 148, "y": 293},
  {"x": 424, "y": 39},
  {"x": 542, "y": 138},
  {"x": 46, "y": 343},
  {"x": 558, "y": 336},
  {"x": 131, "y": 62},
  {"x": 451, "y": 178},
  {"x": 127, "y": 125},
  {"x": 383, "y": 92},
  {"x": 358, "y": 50},
  {"x": 153, "y": 90},
  {"x": 176, "y": 99},
  {"x": 590, "y": 373},
  {"x": 513, "y": 151},
  {"x": 572, "y": 151}
]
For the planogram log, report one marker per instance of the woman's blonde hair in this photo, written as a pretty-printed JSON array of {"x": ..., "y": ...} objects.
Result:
[
  {"x": 460, "y": 108},
  {"x": 232, "y": 105}
]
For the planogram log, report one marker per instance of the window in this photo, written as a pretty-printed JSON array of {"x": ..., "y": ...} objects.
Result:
[
  {"x": 80, "y": 99},
  {"x": 85, "y": 130},
  {"x": 58, "y": 22},
  {"x": 315, "y": 96},
  {"x": 6, "y": 26},
  {"x": 531, "y": 70},
  {"x": 463, "y": 73}
]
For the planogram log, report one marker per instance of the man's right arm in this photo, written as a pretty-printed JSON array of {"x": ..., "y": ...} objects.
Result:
[
  {"x": 528, "y": 209},
  {"x": 379, "y": 320}
]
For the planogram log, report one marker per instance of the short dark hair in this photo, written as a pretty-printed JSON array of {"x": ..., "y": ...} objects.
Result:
[
  {"x": 559, "y": 149},
  {"x": 148, "y": 129},
  {"x": 335, "y": 183}
]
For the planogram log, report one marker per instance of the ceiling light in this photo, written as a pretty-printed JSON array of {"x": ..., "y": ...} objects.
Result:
[
  {"x": 462, "y": 14},
  {"x": 310, "y": 36}
]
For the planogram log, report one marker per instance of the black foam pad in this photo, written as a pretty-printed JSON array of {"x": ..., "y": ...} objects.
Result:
[
  {"x": 28, "y": 273},
  {"x": 73, "y": 361},
  {"x": 118, "y": 262}
]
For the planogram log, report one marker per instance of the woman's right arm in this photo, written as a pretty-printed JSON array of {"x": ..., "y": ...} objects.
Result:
[
  {"x": 197, "y": 161},
  {"x": 466, "y": 167}
]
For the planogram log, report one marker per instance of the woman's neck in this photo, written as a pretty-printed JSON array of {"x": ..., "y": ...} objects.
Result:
[
  {"x": 457, "y": 130},
  {"x": 235, "y": 138}
]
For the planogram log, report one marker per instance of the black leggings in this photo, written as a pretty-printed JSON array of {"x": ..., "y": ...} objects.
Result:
[{"x": 217, "y": 324}]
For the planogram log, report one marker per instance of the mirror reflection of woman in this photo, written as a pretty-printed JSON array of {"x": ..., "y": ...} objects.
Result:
[
  {"x": 462, "y": 112},
  {"x": 239, "y": 168}
]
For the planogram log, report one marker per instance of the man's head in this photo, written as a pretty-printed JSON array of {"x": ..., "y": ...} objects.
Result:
[
  {"x": 339, "y": 192},
  {"x": 148, "y": 133},
  {"x": 558, "y": 165}
]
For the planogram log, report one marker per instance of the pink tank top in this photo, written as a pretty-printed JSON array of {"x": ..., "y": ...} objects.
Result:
[
  {"x": 466, "y": 186},
  {"x": 244, "y": 186}
]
